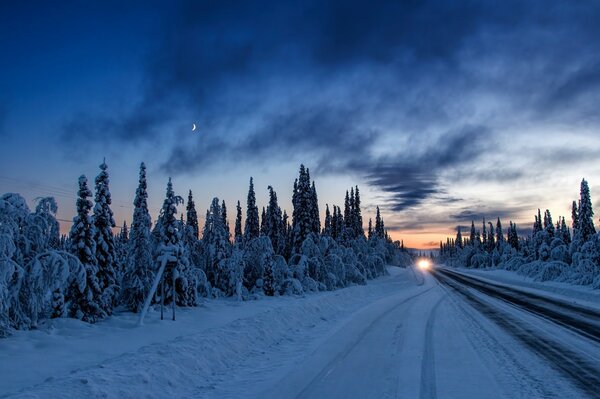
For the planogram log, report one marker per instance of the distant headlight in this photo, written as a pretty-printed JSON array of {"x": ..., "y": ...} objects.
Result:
[{"x": 424, "y": 264}]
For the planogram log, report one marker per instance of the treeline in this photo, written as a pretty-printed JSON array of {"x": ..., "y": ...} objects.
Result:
[
  {"x": 552, "y": 251},
  {"x": 91, "y": 272}
]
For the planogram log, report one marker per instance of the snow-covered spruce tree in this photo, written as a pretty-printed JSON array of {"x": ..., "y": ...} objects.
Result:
[
  {"x": 358, "y": 214},
  {"x": 85, "y": 305},
  {"x": 238, "y": 235},
  {"x": 499, "y": 235},
  {"x": 472, "y": 234},
  {"x": 459, "y": 240},
  {"x": 575, "y": 218},
  {"x": 314, "y": 210},
  {"x": 263, "y": 222},
  {"x": 327, "y": 228},
  {"x": 370, "y": 230},
  {"x": 139, "y": 270},
  {"x": 216, "y": 245},
  {"x": 192, "y": 216},
  {"x": 269, "y": 278},
  {"x": 105, "y": 244},
  {"x": 225, "y": 220},
  {"x": 274, "y": 223},
  {"x": 252, "y": 227},
  {"x": 45, "y": 215},
  {"x": 303, "y": 202},
  {"x": 187, "y": 279},
  {"x": 586, "y": 214}
]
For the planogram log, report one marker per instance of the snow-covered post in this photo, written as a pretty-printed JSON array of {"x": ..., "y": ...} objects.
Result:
[
  {"x": 175, "y": 277},
  {"x": 167, "y": 256}
]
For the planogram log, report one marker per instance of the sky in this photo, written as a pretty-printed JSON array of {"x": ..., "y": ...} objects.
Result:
[{"x": 441, "y": 111}]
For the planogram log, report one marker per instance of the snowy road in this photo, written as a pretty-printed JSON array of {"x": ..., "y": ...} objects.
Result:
[
  {"x": 408, "y": 335},
  {"x": 458, "y": 337}
]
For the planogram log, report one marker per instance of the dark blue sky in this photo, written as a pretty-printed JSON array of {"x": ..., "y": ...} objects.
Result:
[{"x": 441, "y": 110}]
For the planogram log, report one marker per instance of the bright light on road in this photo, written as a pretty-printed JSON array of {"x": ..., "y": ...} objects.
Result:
[{"x": 424, "y": 264}]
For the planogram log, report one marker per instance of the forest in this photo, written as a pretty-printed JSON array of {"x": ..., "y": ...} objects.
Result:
[
  {"x": 551, "y": 251},
  {"x": 92, "y": 272}
]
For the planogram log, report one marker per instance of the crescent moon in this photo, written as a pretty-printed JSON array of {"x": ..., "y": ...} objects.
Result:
[{"x": 193, "y": 127}]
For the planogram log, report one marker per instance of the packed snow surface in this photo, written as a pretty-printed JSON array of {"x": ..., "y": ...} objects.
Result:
[{"x": 401, "y": 336}]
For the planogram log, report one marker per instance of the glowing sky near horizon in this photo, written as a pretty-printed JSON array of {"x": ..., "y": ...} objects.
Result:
[{"x": 442, "y": 112}]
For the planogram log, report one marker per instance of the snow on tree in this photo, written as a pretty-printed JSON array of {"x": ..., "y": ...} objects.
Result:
[
  {"x": 586, "y": 227},
  {"x": 105, "y": 244},
  {"x": 192, "y": 216},
  {"x": 139, "y": 273},
  {"x": 274, "y": 223},
  {"x": 327, "y": 228},
  {"x": 238, "y": 235},
  {"x": 252, "y": 227},
  {"x": 459, "y": 240},
  {"x": 85, "y": 305},
  {"x": 187, "y": 278},
  {"x": 215, "y": 239}
]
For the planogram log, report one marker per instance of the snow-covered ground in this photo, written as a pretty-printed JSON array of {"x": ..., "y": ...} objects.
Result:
[{"x": 401, "y": 336}]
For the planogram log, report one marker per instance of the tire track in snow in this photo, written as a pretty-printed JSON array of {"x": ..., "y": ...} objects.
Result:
[
  {"x": 428, "y": 383},
  {"x": 328, "y": 369},
  {"x": 574, "y": 366}
]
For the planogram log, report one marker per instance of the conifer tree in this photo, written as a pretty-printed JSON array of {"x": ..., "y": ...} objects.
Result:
[
  {"x": 357, "y": 214},
  {"x": 192, "y": 216},
  {"x": 274, "y": 223},
  {"x": 586, "y": 213},
  {"x": 225, "y": 220},
  {"x": 252, "y": 226},
  {"x": 459, "y": 240},
  {"x": 314, "y": 211},
  {"x": 549, "y": 225},
  {"x": 327, "y": 227},
  {"x": 499, "y": 234},
  {"x": 85, "y": 305},
  {"x": 575, "y": 217},
  {"x": 268, "y": 279},
  {"x": 238, "y": 238},
  {"x": 304, "y": 212},
  {"x": 472, "y": 235},
  {"x": 124, "y": 236},
  {"x": 139, "y": 269},
  {"x": 370, "y": 230},
  {"x": 263, "y": 222},
  {"x": 105, "y": 243}
]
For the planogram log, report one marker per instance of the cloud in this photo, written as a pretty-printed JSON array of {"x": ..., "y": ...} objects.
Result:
[{"x": 335, "y": 82}]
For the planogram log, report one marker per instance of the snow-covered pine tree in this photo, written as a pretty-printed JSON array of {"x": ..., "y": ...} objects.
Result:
[
  {"x": 379, "y": 225},
  {"x": 314, "y": 209},
  {"x": 191, "y": 217},
  {"x": 263, "y": 222},
  {"x": 575, "y": 217},
  {"x": 238, "y": 237},
  {"x": 586, "y": 213},
  {"x": 268, "y": 278},
  {"x": 216, "y": 244},
  {"x": 225, "y": 220},
  {"x": 358, "y": 221},
  {"x": 370, "y": 230},
  {"x": 472, "y": 235},
  {"x": 171, "y": 243},
  {"x": 252, "y": 227},
  {"x": 85, "y": 305},
  {"x": 549, "y": 224},
  {"x": 565, "y": 233},
  {"x": 139, "y": 271},
  {"x": 274, "y": 223},
  {"x": 327, "y": 227},
  {"x": 105, "y": 244},
  {"x": 303, "y": 213},
  {"x": 459, "y": 240},
  {"x": 499, "y": 234}
]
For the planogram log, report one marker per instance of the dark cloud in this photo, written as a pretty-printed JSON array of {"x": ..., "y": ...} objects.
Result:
[{"x": 329, "y": 81}]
